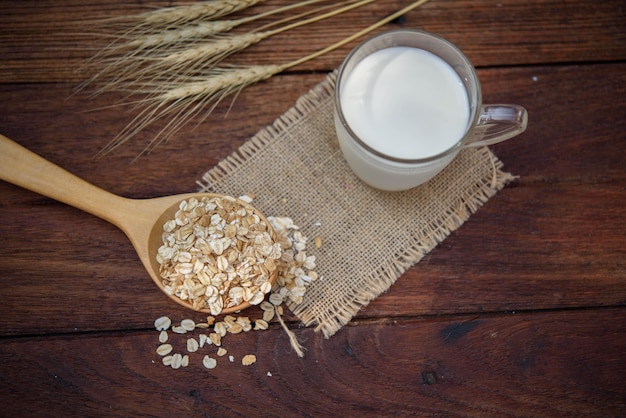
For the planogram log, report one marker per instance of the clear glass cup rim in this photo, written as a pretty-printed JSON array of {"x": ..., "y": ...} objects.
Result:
[{"x": 474, "y": 110}]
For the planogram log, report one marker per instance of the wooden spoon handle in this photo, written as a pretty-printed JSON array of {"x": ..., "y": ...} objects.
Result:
[{"x": 30, "y": 171}]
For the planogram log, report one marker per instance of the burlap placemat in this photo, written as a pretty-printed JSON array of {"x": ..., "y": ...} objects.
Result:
[{"x": 296, "y": 169}]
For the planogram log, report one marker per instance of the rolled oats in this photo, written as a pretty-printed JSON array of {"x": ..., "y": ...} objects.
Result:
[
  {"x": 179, "y": 329},
  {"x": 260, "y": 325},
  {"x": 208, "y": 362},
  {"x": 235, "y": 329},
  {"x": 162, "y": 323},
  {"x": 246, "y": 324},
  {"x": 220, "y": 328},
  {"x": 296, "y": 268},
  {"x": 188, "y": 324},
  {"x": 269, "y": 315},
  {"x": 217, "y": 253},
  {"x": 192, "y": 345},
  {"x": 267, "y": 306},
  {"x": 164, "y": 349},
  {"x": 216, "y": 339},
  {"x": 276, "y": 299},
  {"x": 177, "y": 361},
  {"x": 206, "y": 264},
  {"x": 248, "y": 359}
]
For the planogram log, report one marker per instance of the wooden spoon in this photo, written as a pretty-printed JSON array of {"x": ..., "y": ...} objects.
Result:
[{"x": 141, "y": 220}]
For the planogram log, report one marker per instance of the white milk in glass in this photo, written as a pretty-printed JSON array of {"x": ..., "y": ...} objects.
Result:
[{"x": 406, "y": 103}]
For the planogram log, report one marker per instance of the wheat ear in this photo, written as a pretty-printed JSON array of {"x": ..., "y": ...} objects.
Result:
[
  {"x": 188, "y": 99},
  {"x": 176, "y": 15},
  {"x": 203, "y": 56},
  {"x": 139, "y": 25},
  {"x": 131, "y": 49},
  {"x": 203, "y": 29}
]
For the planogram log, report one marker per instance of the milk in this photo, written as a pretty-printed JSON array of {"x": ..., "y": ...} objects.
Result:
[{"x": 405, "y": 102}]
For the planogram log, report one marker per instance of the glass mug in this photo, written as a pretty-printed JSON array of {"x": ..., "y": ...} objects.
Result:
[{"x": 397, "y": 159}]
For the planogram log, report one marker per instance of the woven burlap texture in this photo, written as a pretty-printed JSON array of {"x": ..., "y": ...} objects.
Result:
[{"x": 296, "y": 169}]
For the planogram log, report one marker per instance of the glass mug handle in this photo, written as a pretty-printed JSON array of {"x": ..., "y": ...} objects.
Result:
[{"x": 497, "y": 123}]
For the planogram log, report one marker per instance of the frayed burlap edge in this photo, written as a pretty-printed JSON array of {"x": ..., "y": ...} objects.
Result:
[
  {"x": 377, "y": 282},
  {"x": 380, "y": 281}
]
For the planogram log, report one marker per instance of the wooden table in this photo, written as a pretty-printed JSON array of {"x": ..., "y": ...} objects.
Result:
[{"x": 520, "y": 312}]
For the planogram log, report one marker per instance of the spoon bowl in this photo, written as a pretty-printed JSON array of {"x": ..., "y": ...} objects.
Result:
[{"x": 140, "y": 219}]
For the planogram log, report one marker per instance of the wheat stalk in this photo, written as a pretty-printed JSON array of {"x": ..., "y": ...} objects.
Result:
[
  {"x": 171, "y": 16},
  {"x": 121, "y": 59},
  {"x": 128, "y": 30},
  {"x": 131, "y": 33},
  {"x": 183, "y": 100},
  {"x": 203, "y": 29},
  {"x": 203, "y": 56}
]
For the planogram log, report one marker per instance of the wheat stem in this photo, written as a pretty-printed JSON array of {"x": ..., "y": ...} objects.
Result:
[
  {"x": 322, "y": 16},
  {"x": 293, "y": 340}
]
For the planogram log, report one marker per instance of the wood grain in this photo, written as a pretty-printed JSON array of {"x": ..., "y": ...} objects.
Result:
[
  {"x": 528, "y": 365},
  {"x": 520, "y": 312},
  {"x": 491, "y": 33}
]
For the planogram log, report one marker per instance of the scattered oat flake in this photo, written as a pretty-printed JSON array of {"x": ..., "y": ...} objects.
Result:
[
  {"x": 163, "y": 337},
  {"x": 231, "y": 359},
  {"x": 179, "y": 329},
  {"x": 260, "y": 325},
  {"x": 248, "y": 359},
  {"x": 177, "y": 361},
  {"x": 318, "y": 242},
  {"x": 188, "y": 324},
  {"x": 209, "y": 363},
  {"x": 235, "y": 329},
  {"x": 192, "y": 345},
  {"x": 268, "y": 315},
  {"x": 164, "y": 349},
  {"x": 221, "y": 351},
  {"x": 216, "y": 339},
  {"x": 162, "y": 323},
  {"x": 269, "y": 374},
  {"x": 276, "y": 299}
]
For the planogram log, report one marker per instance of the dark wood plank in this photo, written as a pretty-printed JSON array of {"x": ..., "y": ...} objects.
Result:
[
  {"x": 39, "y": 40},
  {"x": 539, "y": 364}
]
